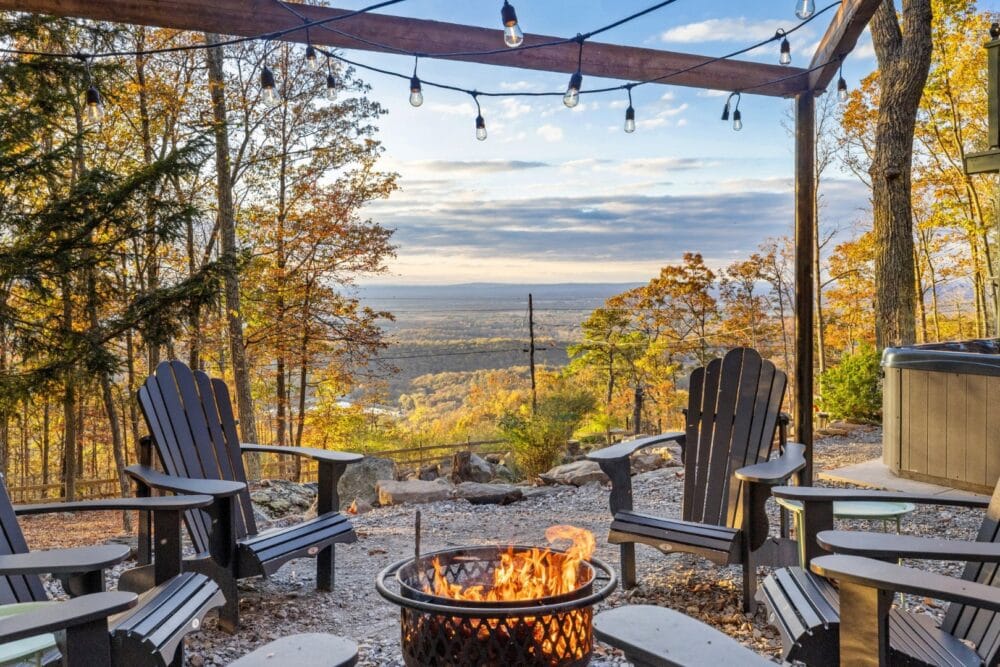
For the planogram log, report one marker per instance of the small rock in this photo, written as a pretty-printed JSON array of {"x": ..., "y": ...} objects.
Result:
[
  {"x": 470, "y": 467},
  {"x": 360, "y": 478},
  {"x": 489, "y": 494},
  {"x": 413, "y": 492},
  {"x": 575, "y": 474}
]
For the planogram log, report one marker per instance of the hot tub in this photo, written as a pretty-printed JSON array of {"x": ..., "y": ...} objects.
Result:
[{"x": 938, "y": 425}]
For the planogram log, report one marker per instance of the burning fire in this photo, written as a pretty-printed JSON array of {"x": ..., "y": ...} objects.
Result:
[{"x": 527, "y": 574}]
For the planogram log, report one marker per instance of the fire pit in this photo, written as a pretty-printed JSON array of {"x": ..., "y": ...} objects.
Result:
[{"x": 497, "y": 606}]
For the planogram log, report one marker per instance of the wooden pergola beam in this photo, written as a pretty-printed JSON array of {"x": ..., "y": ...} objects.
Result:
[
  {"x": 840, "y": 39},
  {"x": 256, "y": 17}
]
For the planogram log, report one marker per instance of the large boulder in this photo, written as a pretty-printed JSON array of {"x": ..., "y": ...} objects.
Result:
[
  {"x": 277, "y": 498},
  {"x": 577, "y": 473},
  {"x": 470, "y": 467},
  {"x": 413, "y": 491},
  {"x": 488, "y": 494},
  {"x": 359, "y": 480}
]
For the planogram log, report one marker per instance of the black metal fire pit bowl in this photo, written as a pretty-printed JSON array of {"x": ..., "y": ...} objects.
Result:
[{"x": 439, "y": 631}]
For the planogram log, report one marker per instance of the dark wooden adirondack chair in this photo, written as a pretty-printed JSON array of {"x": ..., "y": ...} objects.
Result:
[
  {"x": 732, "y": 416},
  {"x": 191, "y": 423},
  {"x": 807, "y": 609},
  {"x": 658, "y": 637},
  {"x": 105, "y": 629}
]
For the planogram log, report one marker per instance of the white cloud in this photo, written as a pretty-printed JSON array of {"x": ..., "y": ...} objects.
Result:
[
  {"x": 515, "y": 85},
  {"x": 722, "y": 30},
  {"x": 511, "y": 107},
  {"x": 463, "y": 109},
  {"x": 550, "y": 133}
]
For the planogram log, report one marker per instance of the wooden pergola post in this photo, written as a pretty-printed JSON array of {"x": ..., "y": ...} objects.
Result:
[{"x": 805, "y": 229}]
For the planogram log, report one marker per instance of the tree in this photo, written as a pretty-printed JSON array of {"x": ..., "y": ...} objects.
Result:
[{"x": 903, "y": 48}]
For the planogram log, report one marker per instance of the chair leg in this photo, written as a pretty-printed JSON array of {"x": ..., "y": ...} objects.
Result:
[
  {"x": 229, "y": 613},
  {"x": 324, "y": 568},
  {"x": 749, "y": 585},
  {"x": 628, "y": 565}
]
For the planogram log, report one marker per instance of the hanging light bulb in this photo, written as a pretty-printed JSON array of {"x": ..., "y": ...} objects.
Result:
[
  {"x": 726, "y": 108},
  {"x": 786, "y": 49},
  {"x": 572, "y": 96},
  {"x": 629, "y": 112},
  {"x": 512, "y": 35},
  {"x": 842, "y": 89},
  {"x": 267, "y": 86},
  {"x": 95, "y": 106},
  {"x": 311, "y": 59},
  {"x": 630, "y": 120},
  {"x": 805, "y": 9},
  {"x": 331, "y": 86},
  {"x": 737, "y": 121},
  {"x": 480, "y": 128},
  {"x": 416, "y": 94}
]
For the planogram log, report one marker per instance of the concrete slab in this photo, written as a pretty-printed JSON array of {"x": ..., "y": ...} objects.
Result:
[{"x": 876, "y": 474}]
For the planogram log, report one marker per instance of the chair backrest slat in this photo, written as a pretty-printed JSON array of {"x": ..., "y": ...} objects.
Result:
[
  {"x": 733, "y": 410},
  {"x": 980, "y": 626},
  {"x": 17, "y": 588},
  {"x": 699, "y": 448}
]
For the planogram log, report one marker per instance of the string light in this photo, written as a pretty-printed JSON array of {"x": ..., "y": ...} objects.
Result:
[
  {"x": 572, "y": 96},
  {"x": 737, "y": 116},
  {"x": 804, "y": 9},
  {"x": 331, "y": 82},
  {"x": 786, "y": 48},
  {"x": 311, "y": 59},
  {"x": 480, "y": 121},
  {"x": 95, "y": 105},
  {"x": 512, "y": 35},
  {"x": 629, "y": 113},
  {"x": 416, "y": 91},
  {"x": 267, "y": 86},
  {"x": 842, "y": 85}
]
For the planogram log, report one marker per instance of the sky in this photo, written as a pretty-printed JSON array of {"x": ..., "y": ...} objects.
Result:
[{"x": 561, "y": 195}]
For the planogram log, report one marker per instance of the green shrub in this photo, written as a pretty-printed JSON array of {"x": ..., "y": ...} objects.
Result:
[
  {"x": 853, "y": 389},
  {"x": 539, "y": 439}
]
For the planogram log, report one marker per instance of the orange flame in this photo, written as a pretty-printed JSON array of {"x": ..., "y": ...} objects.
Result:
[{"x": 527, "y": 574}]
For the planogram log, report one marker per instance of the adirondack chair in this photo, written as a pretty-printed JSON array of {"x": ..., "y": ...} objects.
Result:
[
  {"x": 192, "y": 428},
  {"x": 658, "y": 637},
  {"x": 732, "y": 416},
  {"x": 104, "y": 629},
  {"x": 811, "y": 614}
]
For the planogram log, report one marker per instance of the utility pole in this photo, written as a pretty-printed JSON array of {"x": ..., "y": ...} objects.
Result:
[{"x": 531, "y": 352}]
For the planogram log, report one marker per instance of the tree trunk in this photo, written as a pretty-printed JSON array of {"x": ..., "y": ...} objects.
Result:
[
  {"x": 904, "y": 56},
  {"x": 108, "y": 398},
  {"x": 69, "y": 402},
  {"x": 46, "y": 426},
  {"x": 227, "y": 233}
]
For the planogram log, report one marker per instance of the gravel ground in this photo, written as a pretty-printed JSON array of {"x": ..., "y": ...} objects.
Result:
[{"x": 288, "y": 603}]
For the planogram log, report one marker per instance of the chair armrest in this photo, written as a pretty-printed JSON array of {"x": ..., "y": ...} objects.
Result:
[
  {"x": 893, "y": 547},
  {"x": 309, "y": 452},
  {"x": 807, "y": 494},
  {"x": 157, "y": 480},
  {"x": 891, "y": 577},
  {"x": 64, "y": 561},
  {"x": 625, "y": 449},
  {"x": 63, "y": 615},
  {"x": 776, "y": 470},
  {"x": 154, "y": 503},
  {"x": 658, "y": 636}
]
